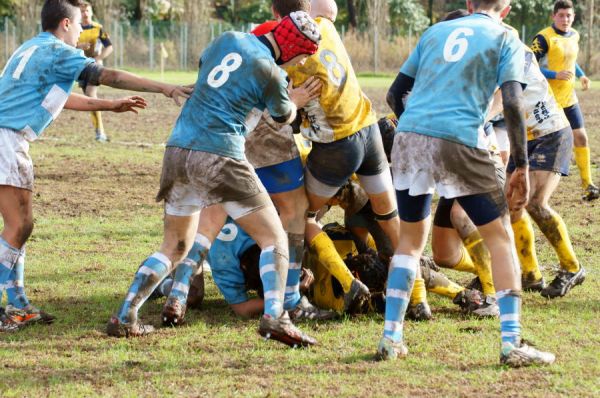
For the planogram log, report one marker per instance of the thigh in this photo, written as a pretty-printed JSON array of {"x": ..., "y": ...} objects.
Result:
[
  {"x": 374, "y": 162},
  {"x": 552, "y": 152},
  {"x": 264, "y": 226},
  {"x": 542, "y": 186},
  {"x": 575, "y": 116},
  {"x": 334, "y": 163},
  {"x": 16, "y": 167}
]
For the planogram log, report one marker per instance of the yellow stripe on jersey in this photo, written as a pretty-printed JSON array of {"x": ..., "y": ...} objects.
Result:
[
  {"x": 342, "y": 108},
  {"x": 561, "y": 55}
]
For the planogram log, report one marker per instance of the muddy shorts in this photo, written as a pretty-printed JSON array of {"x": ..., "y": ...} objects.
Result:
[
  {"x": 551, "y": 152},
  {"x": 16, "y": 168},
  {"x": 270, "y": 143},
  {"x": 282, "y": 177},
  {"x": 422, "y": 164},
  {"x": 192, "y": 180},
  {"x": 574, "y": 115}
]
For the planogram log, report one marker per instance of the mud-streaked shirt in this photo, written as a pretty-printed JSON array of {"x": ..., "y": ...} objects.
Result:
[
  {"x": 457, "y": 66},
  {"x": 237, "y": 77},
  {"x": 36, "y": 82},
  {"x": 342, "y": 109}
]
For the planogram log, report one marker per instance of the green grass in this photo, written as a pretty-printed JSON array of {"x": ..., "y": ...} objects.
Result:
[{"x": 96, "y": 220}]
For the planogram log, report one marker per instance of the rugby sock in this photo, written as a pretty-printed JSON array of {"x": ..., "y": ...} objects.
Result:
[
  {"x": 292, "y": 286},
  {"x": 582, "y": 159},
  {"x": 15, "y": 290},
  {"x": 331, "y": 260},
  {"x": 509, "y": 302},
  {"x": 188, "y": 268},
  {"x": 152, "y": 271},
  {"x": 438, "y": 283},
  {"x": 418, "y": 293},
  {"x": 555, "y": 230},
  {"x": 403, "y": 270},
  {"x": 272, "y": 282},
  {"x": 525, "y": 245},
  {"x": 482, "y": 261},
  {"x": 164, "y": 289},
  {"x": 97, "y": 121},
  {"x": 8, "y": 258},
  {"x": 465, "y": 263}
]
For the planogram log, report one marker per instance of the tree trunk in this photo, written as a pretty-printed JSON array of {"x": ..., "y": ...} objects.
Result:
[{"x": 352, "y": 17}]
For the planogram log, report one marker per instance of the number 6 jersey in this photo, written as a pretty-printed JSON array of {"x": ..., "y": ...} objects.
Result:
[{"x": 457, "y": 65}]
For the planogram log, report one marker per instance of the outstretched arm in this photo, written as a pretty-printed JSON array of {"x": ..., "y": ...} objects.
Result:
[{"x": 78, "y": 102}]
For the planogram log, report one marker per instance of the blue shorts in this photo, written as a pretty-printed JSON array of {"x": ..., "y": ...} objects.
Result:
[
  {"x": 550, "y": 152},
  {"x": 574, "y": 115},
  {"x": 333, "y": 163},
  {"x": 282, "y": 177}
]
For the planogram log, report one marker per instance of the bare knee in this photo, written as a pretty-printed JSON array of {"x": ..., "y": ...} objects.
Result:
[{"x": 18, "y": 233}]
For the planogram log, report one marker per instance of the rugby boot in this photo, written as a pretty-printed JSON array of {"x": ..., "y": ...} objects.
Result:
[
  {"x": 474, "y": 302},
  {"x": 7, "y": 324},
  {"x": 419, "y": 312},
  {"x": 173, "y": 312},
  {"x": 115, "y": 328},
  {"x": 475, "y": 284},
  {"x": 283, "y": 330},
  {"x": 356, "y": 297},
  {"x": 389, "y": 350},
  {"x": 306, "y": 310},
  {"x": 101, "y": 136},
  {"x": 592, "y": 192},
  {"x": 537, "y": 285},
  {"x": 196, "y": 292},
  {"x": 563, "y": 282},
  {"x": 521, "y": 354},
  {"x": 29, "y": 315}
]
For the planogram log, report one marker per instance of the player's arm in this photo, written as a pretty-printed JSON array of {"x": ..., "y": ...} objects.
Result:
[
  {"x": 107, "y": 47},
  {"x": 277, "y": 98},
  {"x": 398, "y": 92},
  {"x": 580, "y": 74},
  {"x": 514, "y": 116},
  {"x": 79, "y": 102},
  {"x": 249, "y": 309}
]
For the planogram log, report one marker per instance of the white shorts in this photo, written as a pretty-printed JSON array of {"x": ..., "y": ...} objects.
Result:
[
  {"x": 16, "y": 168},
  {"x": 502, "y": 139}
]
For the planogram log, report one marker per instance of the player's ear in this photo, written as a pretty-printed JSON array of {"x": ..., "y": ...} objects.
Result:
[
  {"x": 505, "y": 11},
  {"x": 275, "y": 13}
]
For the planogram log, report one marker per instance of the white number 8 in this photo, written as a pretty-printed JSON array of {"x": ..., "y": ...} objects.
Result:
[
  {"x": 231, "y": 62},
  {"x": 456, "y": 47}
]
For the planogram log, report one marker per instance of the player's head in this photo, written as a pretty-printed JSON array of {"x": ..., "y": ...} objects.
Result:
[
  {"x": 86, "y": 12},
  {"x": 563, "y": 14},
  {"x": 387, "y": 129},
  {"x": 501, "y": 7},
  {"x": 281, "y": 8},
  {"x": 297, "y": 36},
  {"x": 373, "y": 272},
  {"x": 63, "y": 18},
  {"x": 324, "y": 8}
]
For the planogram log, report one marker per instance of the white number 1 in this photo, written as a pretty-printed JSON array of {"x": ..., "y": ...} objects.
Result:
[
  {"x": 456, "y": 47},
  {"x": 25, "y": 56}
]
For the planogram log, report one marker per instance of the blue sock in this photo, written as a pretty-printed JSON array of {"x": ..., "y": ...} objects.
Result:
[
  {"x": 509, "y": 303},
  {"x": 186, "y": 269},
  {"x": 403, "y": 270},
  {"x": 15, "y": 290},
  {"x": 165, "y": 287},
  {"x": 292, "y": 286},
  {"x": 271, "y": 283},
  {"x": 152, "y": 271},
  {"x": 8, "y": 259}
]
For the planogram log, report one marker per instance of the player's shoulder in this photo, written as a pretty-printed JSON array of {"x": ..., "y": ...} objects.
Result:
[
  {"x": 96, "y": 25},
  {"x": 546, "y": 32}
]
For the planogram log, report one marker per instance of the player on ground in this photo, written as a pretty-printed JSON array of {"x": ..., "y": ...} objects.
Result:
[
  {"x": 95, "y": 43},
  {"x": 34, "y": 87},
  {"x": 556, "y": 48},
  {"x": 205, "y": 168},
  {"x": 448, "y": 151}
]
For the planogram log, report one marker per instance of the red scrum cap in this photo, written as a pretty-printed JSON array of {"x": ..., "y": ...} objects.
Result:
[{"x": 296, "y": 34}]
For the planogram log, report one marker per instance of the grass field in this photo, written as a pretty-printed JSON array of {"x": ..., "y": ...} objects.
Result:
[{"x": 96, "y": 220}]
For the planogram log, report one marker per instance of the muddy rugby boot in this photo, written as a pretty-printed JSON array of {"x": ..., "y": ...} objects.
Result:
[
  {"x": 7, "y": 324},
  {"x": 115, "y": 328},
  {"x": 173, "y": 312},
  {"x": 474, "y": 302},
  {"x": 536, "y": 285},
  {"x": 283, "y": 330},
  {"x": 389, "y": 350},
  {"x": 521, "y": 354},
  {"x": 563, "y": 282},
  {"x": 196, "y": 292},
  {"x": 356, "y": 296},
  {"x": 591, "y": 193},
  {"x": 419, "y": 312},
  {"x": 306, "y": 310},
  {"x": 29, "y": 315}
]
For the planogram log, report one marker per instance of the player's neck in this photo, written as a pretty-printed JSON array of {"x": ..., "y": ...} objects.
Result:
[
  {"x": 269, "y": 41},
  {"x": 490, "y": 13}
]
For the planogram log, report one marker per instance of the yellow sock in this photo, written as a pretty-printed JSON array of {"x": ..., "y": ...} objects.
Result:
[
  {"x": 439, "y": 284},
  {"x": 465, "y": 263},
  {"x": 418, "y": 294},
  {"x": 482, "y": 260},
  {"x": 582, "y": 159},
  {"x": 97, "y": 120},
  {"x": 555, "y": 230},
  {"x": 331, "y": 260},
  {"x": 525, "y": 245}
]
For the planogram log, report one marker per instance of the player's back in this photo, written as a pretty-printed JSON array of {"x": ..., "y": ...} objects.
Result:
[{"x": 457, "y": 66}]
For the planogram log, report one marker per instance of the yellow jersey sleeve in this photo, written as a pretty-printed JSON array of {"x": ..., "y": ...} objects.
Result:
[{"x": 342, "y": 109}]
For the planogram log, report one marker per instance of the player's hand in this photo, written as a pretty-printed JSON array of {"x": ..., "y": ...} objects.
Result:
[
  {"x": 564, "y": 75},
  {"x": 178, "y": 93},
  {"x": 306, "y": 279},
  {"x": 305, "y": 93},
  {"x": 129, "y": 104},
  {"x": 518, "y": 189},
  {"x": 84, "y": 46},
  {"x": 585, "y": 83}
]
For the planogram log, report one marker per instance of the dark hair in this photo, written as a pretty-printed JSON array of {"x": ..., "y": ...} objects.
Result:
[
  {"x": 54, "y": 11},
  {"x": 85, "y": 4},
  {"x": 455, "y": 15},
  {"x": 496, "y": 5},
  {"x": 285, "y": 7},
  {"x": 562, "y": 5}
]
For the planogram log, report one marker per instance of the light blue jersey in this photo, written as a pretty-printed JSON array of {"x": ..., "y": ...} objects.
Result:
[
  {"x": 224, "y": 259},
  {"x": 237, "y": 74},
  {"x": 36, "y": 82},
  {"x": 457, "y": 65}
]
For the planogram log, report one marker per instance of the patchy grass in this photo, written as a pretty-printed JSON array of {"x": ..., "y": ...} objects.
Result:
[{"x": 96, "y": 220}]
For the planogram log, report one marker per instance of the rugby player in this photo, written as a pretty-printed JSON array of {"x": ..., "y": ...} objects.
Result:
[
  {"x": 34, "y": 87},
  {"x": 556, "y": 48},
  {"x": 440, "y": 144},
  {"x": 205, "y": 168},
  {"x": 95, "y": 43}
]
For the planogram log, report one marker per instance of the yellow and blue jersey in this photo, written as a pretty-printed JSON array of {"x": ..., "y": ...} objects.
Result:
[
  {"x": 237, "y": 76},
  {"x": 36, "y": 82},
  {"x": 556, "y": 51},
  {"x": 95, "y": 36},
  {"x": 457, "y": 66},
  {"x": 342, "y": 108}
]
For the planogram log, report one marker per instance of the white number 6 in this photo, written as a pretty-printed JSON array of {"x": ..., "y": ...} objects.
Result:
[
  {"x": 231, "y": 62},
  {"x": 456, "y": 47}
]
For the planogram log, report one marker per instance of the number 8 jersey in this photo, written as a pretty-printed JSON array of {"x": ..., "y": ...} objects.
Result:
[{"x": 457, "y": 65}]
